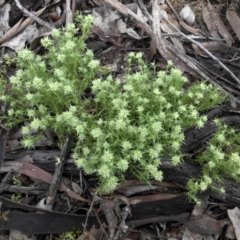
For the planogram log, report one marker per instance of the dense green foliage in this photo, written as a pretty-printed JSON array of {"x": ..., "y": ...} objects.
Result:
[
  {"x": 220, "y": 158},
  {"x": 119, "y": 127}
]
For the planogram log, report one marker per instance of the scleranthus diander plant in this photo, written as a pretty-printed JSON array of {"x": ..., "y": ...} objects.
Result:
[
  {"x": 221, "y": 157},
  {"x": 119, "y": 127}
]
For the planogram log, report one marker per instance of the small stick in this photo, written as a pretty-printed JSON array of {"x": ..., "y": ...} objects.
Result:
[
  {"x": 51, "y": 196},
  {"x": 29, "y": 14}
]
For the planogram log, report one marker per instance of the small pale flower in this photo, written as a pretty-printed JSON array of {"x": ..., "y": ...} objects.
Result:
[
  {"x": 176, "y": 160},
  {"x": 56, "y": 33},
  {"x": 61, "y": 57},
  {"x": 202, "y": 86},
  {"x": 106, "y": 145},
  {"x": 143, "y": 132},
  {"x": 139, "y": 55},
  {"x": 36, "y": 124},
  {"x": 89, "y": 54},
  {"x": 158, "y": 147},
  {"x": 54, "y": 86},
  {"x": 140, "y": 109},
  {"x": 199, "y": 123},
  {"x": 177, "y": 129},
  {"x": 80, "y": 128},
  {"x": 151, "y": 169},
  {"x": 70, "y": 45},
  {"x": 156, "y": 91},
  {"x": 219, "y": 155},
  {"x": 25, "y": 130},
  {"x": 182, "y": 108},
  {"x": 31, "y": 113},
  {"x": 207, "y": 180},
  {"x": 199, "y": 95},
  {"x": 172, "y": 89},
  {"x": 104, "y": 171},
  {"x": 93, "y": 64},
  {"x": 175, "y": 145},
  {"x": 27, "y": 142},
  {"x": 59, "y": 73},
  {"x": 153, "y": 153},
  {"x": 96, "y": 84},
  {"x": 222, "y": 190},
  {"x": 37, "y": 82},
  {"x": 137, "y": 155},
  {"x": 11, "y": 112},
  {"x": 80, "y": 162},
  {"x": 14, "y": 80},
  {"x": 168, "y": 105},
  {"x": 190, "y": 95},
  {"x": 122, "y": 165},
  {"x": 157, "y": 126},
  {"x": 128, "y": 87},
  {"x": 120, "y": 124},
  {"x": 234, "y": 157},
  {"x": 203, "y": 186},
  {"x": 158, "y": 176},
  {"x": 194, "y": 113},
  {"x": 159, "y": 81},
  {"x": 123, "y": 113},
  {"x": 29, "y": 96},
  {"x": 211, "y": 164},
  {"x": 170, "y": 63},
  {"x": 220, "y": 137},
  {"x": 96, "y": 132},
  {"x": 110, "y": 184},
  {"x": 126, "y": 145},
  {"x": 175, "y": 115},
  {"x": 107, "y": 156},
  {"x": 46, "y": 42},
  {"x": 42, "y": 109}
]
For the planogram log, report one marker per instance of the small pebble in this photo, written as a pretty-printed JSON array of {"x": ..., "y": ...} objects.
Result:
[{"x": 187, "y": 15}]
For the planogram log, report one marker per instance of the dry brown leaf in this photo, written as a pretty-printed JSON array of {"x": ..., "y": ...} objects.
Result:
[
  {"x": 234, "y": 215},
  {"x": 38, "y": 173},
  {"x": 86, "y": 236},
  {"x": 4, "y": 18},
  {"x": 234, "y": 20},
  {"x": 190, "y": 29},
  {"x": 189, "y": 235},
  {"x": 215, "y": 25},
  {"x": 168, "y": 29},
  {"x": 204, "y": 225},
  {"x": 161, "y": 44},
  {"x": 150, "y": 198},
  {"x": 19, "y": 27}
]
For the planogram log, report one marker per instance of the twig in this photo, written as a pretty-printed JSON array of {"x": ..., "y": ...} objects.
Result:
[
  {"x": 204, "y": 49},
  {"x": 89, "y": 210},
  {"x": 25, "y": 11},
  {"x": 69, "y": 15},
  {"x": 51, "y": 196},
  {"x": 127, "y": 12},
  {"x": 171, "y": 6},
  {"x": 105, "y": 233},
  {"x": 122, "y": 223},
  {"x": 145, "y": 11}
]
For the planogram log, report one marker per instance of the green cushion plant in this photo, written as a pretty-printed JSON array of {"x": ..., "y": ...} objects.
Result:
[{"x": 119, "y": 127}]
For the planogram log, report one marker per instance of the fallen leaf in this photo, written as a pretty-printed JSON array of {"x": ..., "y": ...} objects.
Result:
[
  {"x": 204, "y": 225},
  {"x": 215, "y": 25},
  {"x": 234, "y": 215},
  {"x": 234, "y": 20}
]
